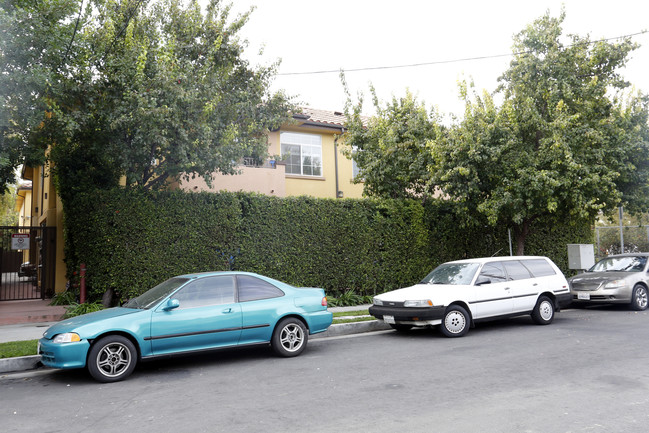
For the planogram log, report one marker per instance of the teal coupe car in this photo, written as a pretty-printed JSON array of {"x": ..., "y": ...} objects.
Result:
[{"x": 185, "y": 314}]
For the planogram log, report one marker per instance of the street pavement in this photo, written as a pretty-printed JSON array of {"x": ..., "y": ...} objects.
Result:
[{"x": 583, "y": 373}]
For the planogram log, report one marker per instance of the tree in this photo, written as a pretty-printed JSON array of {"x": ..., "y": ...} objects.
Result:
[
  {"x": 567, "y": 139},
  {"x": 390, "y": 148},
  {"x": 33, "y": 41},
  {"x": 8, "y": 214},
  {"x": 153, "y": 91}
]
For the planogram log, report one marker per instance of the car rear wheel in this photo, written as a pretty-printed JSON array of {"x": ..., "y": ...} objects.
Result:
[
  {"x": 543, "y": 312},
  {"x": 112, "y": 359},
  {"x": 290, "y": 337},
  {"x": 639, "y": 299},
  {"x": 455, "y": 322}
]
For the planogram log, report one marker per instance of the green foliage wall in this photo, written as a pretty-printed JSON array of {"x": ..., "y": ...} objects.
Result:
[{"x": 131, "y": 240}]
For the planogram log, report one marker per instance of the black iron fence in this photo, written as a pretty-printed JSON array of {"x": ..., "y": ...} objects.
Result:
[{"x": 27, "y": 266}]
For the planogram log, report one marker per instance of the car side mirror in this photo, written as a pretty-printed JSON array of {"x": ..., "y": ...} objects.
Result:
[
  {"x": 482, "y": 280},
  {"x": 171, "y": 304}
]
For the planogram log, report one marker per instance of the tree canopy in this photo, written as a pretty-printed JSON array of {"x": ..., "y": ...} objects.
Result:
[
  {"x": 568, "y": 137},
  {"x": 390, "y": 148},
  {"x": 149, "y": 90}
]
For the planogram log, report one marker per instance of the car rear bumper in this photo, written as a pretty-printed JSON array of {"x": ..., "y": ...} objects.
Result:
[{"x": 564, "y": 300}]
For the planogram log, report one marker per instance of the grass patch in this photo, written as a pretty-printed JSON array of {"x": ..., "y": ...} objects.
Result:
[
  {"x": 13, "y": 349},
  {"x": 352, "y": 316},
  {"x": 364, "y": 312}
]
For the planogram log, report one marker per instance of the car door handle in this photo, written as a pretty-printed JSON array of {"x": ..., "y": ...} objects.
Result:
[{"x": 227, "y": 310}]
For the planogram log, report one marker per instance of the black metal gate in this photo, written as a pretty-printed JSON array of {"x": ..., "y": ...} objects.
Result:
[{"x": 27, "y": 262}]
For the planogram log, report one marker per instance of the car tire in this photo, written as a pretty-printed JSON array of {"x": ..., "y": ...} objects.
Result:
[
  {"x": 543, "y": 312},
  {"x": 112, "y": 359},
  {"x": 290, "y": 337},
  {"x": 639, "y": 298},
  {"x": 456, "y": 322},
  {"x": 400, "y": 328}
]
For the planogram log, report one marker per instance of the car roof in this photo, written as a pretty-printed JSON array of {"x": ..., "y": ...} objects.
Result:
[
  {"x": 629, "y": 255},
  {"x": 497, "y": 259},
  {"x": 214, "y": 273}
]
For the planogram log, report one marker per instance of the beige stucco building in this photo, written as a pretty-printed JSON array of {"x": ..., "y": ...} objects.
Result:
[{"x": 310, "y": 162}]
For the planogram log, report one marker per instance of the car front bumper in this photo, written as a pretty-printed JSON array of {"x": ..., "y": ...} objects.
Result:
[
  {"x": 419, "y": 316},
  {"x": 608, "y": 296},
  {"x": 63, "y": 355}
]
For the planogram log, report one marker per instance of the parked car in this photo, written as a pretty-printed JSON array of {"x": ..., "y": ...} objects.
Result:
[
  {"x": 27, "y": 270},
  {"x": 188, "y": 313},
  {"x": 458, "y": 294},
  {"x": 617, "y": 279}
]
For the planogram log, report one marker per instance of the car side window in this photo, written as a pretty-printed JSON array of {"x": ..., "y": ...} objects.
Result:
[
  {"x": 539, "y": 267},
  {"x": 206, "y": 291},
  {"x": 493, "y": 272},
  {"x": 516, "y": 270},
  {"x": 252, "y": 289}
]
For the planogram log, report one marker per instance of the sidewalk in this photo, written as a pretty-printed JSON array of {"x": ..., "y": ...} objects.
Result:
[{"x": 32, "y": 311}]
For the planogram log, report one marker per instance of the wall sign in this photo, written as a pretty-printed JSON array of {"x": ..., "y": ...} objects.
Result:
[{"x": 19, "y": 241}]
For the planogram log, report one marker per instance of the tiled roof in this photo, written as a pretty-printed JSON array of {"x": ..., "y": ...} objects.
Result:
[{"x": 329, "y": 118}]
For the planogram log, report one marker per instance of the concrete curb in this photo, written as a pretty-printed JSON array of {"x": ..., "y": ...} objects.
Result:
[
  {"x": 21, "y": 363},
  {"x": 24, "y": 363},
  {"x": 353, "y": 328}
]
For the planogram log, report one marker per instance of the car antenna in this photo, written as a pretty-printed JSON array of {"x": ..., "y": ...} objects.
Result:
[{"x": 496, "y": 252}]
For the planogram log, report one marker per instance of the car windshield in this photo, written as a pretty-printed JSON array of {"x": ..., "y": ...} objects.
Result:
[
  {"x": 452, "y": 273},
  {"x": 625, "y": 264},
  {"x": 151, "y": 297}
]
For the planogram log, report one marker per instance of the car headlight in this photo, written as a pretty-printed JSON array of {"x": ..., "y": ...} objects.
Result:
[
  {"x": 377, "y": 301},
  {"x": 68, "y": 337},
  {"x": 418, "y": 303},
  {"x": 616, "y": 284}
]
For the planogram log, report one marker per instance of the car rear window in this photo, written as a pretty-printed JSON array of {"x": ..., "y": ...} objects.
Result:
[
  {"x": 253, "y": 289},
  {"x": 539, "y": 267}
]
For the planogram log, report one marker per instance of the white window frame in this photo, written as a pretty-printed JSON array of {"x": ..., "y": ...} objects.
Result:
[{"x": 308, "y": 145}]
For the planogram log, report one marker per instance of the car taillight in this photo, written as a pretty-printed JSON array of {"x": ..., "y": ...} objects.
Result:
[{"x": 324, "y": 301}]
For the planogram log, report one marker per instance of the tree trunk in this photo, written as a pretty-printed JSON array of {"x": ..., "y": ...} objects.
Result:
[{"x": 520, "y": 235}]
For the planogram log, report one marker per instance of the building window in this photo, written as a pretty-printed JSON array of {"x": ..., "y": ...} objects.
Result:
[{"x": 304, "y": 153}]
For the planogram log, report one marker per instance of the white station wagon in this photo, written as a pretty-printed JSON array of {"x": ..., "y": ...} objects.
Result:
[{"x": 458, "y": 294}]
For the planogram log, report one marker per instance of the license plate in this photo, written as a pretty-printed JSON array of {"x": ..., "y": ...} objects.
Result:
[
  {"x": 388, "y": 319},
  {"x": 583, "y": 296}
]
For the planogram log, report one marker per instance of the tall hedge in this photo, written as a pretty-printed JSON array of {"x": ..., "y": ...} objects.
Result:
[{"x": 131, "y": 240}]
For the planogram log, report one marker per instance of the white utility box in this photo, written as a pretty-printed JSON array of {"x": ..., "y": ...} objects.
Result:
[{"x": 581, "y": 256}]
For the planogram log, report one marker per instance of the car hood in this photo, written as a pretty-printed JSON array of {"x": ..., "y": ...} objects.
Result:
[
  {"x": 599, "y": 277},
  {"x": 91, "y": 319},
  {"x": 416, "y": 292}
]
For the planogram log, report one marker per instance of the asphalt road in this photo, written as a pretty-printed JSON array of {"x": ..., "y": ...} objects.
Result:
[{"x": 587, "y": 372}]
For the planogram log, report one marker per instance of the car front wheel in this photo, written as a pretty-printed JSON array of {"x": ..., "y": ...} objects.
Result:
[
  {"x": 112, "y": 359},
  {"x": 290, "y": 337},
  {"x": 543, "y": 312},
  {"x": 455, "y": 322},
  {"x": 639, "y": 299}
]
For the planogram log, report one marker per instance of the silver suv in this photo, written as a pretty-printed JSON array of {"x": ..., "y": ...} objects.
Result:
[{"x": 619, "y": 279}]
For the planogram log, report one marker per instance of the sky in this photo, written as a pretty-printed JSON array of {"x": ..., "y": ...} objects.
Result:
[{"x": 329, "y": 35}]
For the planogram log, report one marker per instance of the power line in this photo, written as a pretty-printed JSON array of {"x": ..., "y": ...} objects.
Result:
[{"x": 441, "y": 62}]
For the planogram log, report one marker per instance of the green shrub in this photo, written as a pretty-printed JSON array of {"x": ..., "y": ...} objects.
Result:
[
  {"x": 64, "y": 298},
  {"x": 131, "y": 240},
  {"x": 75, "y": 309}
]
